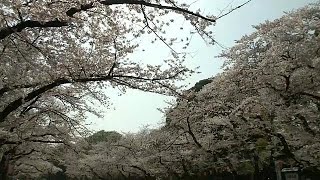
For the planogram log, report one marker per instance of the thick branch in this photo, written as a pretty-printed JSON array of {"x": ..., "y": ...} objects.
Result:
[
  {"x": 46, "y": 141},
  {"x": 5, "y": 89},
  {"x": 159, "y": 6},
  {"x": 4, "y": 32},
  {"x": 17, "y": 103},
  {"x": 14, "y": 105},
  {"x": 74, "y": 10}
]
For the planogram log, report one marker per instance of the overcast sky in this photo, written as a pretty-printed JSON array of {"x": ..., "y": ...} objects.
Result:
[{"x": 134, "y": 110}]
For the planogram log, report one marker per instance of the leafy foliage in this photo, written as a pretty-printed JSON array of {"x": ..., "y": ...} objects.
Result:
[
  {"x": 198, "y": 86},
  {"x": 103, "y": 136}
]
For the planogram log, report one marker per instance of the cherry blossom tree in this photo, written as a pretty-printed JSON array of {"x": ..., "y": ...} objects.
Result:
[
  {"x": 280, "y": 61},
  {"x": 264, "y": 108}
]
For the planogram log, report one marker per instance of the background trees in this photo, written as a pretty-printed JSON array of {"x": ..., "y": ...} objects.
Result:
[{"x": 264, "y": 105}]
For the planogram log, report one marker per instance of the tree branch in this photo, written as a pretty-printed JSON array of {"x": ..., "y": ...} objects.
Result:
[
  {"x": 141, "y": 169},
  {"x": 286, "y": 150},
  {"x": 18, "y": 156},
  {"x": 14, "y": 105},
  {"x": 17, "y": 103},
  {"x": 154, "y": 32},
  {"x": 23, "y": 86},
  {"x": 192, "y": 135},
  {"x": 233, "y": 9},
  {"x": 317, "y": 97},
  {"x": 83, "y": 7},
  {"x": 4, "y": 32},
  {"x": 159, "y": 6},
  {"x": 305, "y": 124}
]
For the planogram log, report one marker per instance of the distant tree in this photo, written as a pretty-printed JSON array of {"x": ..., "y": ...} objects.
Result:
[
  {"x": 104, "y": 136},
  {"x": 198, "y": 86}
]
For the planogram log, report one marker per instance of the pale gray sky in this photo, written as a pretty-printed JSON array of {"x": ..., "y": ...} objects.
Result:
[{"x": 135, "y": 109}]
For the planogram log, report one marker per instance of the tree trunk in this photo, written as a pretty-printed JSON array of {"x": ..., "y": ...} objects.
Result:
[
  {"x": 4, "y": 166},
  {"x": 278, "y": 167}
]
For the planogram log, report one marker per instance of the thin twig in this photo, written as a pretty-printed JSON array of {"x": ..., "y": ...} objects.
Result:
[{"x": 233, "y": 10}]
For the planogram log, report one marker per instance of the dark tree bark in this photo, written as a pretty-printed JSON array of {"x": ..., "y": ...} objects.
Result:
[{"x": 4, "y": 164}]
